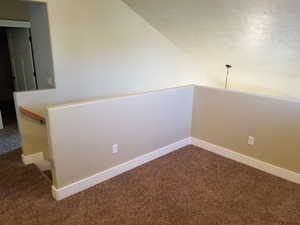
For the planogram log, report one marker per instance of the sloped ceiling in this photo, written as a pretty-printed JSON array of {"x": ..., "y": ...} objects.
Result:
[{"x": 259, "y": 38}]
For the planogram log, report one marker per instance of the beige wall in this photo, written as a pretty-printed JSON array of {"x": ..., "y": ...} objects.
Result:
[
  {"x": 13, "y": 10},
  {"x": 82, "y": 134},
  {"x": 227, "y": 118},
  {"x": 260, "y": 38},
  {"x": 34, "y": 137},
  {"x": 109, "y": 50},
  {"x": 150, "y": 121},
  {"x": 41, "y": 45},
  {"x": 103, "y": 48},
  {"x": 34, "y": 134}
]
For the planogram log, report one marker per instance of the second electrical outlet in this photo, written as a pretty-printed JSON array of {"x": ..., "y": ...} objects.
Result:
[
  {"x": 251, "y": 140},
  {"x": 115, "y": 148}
]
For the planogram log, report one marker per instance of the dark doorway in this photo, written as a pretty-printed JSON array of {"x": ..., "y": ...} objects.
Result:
[{"x": 9, "y": 135}]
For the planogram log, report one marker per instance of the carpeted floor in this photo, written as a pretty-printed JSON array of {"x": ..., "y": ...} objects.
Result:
[
  {"x": 188, "y": 187},
  {"x": 10, "y": 138}
]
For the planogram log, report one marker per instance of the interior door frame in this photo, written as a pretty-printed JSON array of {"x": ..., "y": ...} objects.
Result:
[
  {"x": 15, "y": 24},
  {"x": 27, "y": 25}
]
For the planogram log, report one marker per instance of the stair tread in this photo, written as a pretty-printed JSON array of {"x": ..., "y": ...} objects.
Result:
[{"x": 18, "y": 180}]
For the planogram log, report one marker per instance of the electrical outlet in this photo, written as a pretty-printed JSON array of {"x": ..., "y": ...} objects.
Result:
[
  {"x": 251, "y": 140},
  {"x": 115, "y": 149}
]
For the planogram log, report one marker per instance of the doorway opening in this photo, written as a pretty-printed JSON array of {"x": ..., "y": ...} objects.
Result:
[
  {"x": 25, "y": 65},
  {"x": 17, "y": 73}
]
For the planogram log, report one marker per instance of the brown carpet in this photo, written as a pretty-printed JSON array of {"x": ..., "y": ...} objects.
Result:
[
  {"x": 10, "y": 138},
  {"x": 189, "y": 186}
]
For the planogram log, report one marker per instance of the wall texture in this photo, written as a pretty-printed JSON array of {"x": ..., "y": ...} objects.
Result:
[
  {"x": 227, "y": 118},
  {"x": 103, "y": 48},
  {"x": 138, "y": 124},
  {"x": 108, "y": 50},
  {"x": 13, "y": 10},
  {"x": 260, "y": 38}
]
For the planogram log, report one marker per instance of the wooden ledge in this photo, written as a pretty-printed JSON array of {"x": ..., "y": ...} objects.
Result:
[{"x": 32, "y": 115}]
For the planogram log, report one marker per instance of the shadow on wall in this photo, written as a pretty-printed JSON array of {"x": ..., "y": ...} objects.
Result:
[{"x": 260, "y": 38}]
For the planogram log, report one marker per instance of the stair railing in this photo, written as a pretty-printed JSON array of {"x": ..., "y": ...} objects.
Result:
[{"x": 29, "y": 113}]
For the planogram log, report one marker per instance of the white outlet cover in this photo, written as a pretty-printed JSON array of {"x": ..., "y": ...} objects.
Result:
[
  {"x": 115, "y": 149},
  {"x": 251, "y": 140}
]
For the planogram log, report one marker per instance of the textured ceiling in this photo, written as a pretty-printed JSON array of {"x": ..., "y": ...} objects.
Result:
[{"x": 260, "y": 38}]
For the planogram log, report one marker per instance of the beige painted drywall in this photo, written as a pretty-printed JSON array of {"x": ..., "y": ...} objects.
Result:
[
  {"x": 260, "y": 38},
  {"x": 34, "y": 139},
  {"x": 103, "y": 48},
  {"x": 138, "y": 124},
  {"x": 13, "y": 10},
  {"x": 227, "y": 118}
]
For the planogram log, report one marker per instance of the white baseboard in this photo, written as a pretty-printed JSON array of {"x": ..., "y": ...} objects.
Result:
[
  {"x": 64, "y": 192},
  {"x": 37, "y": 159},
  {"x": 247, "y": 160}
]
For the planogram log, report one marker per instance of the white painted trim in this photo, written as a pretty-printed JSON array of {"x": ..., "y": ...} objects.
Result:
[
  {"x": 14, "y": 23},
  {"x": 249, "y": 161},
  {"x": 37, "y": 159},
  {"x": 1, "y": 121},
  {"x": 64, "y": 192},
  {"x": 30, "y": 159}
]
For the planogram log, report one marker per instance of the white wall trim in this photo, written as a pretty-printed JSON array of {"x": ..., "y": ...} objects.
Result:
[
  {"x": 249, "y": 161},
  {"x": 37, "y": 159},
  {"x": 1, "y": 122},
  {"x": 64, "y": 192},
  {"x": 14, "y": 23}
]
